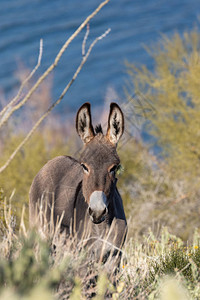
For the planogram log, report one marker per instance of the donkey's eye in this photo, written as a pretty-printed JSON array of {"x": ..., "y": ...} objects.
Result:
[
  {"x": 113, "y": 169},
  {"x": 85, "y": 168}
]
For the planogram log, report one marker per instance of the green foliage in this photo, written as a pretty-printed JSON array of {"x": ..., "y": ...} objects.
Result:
[
  {"x": 169, "y": 96},
  {"x": 46, "y": 143},
  {"x": 21, "y": 170},
  {"x": 173, "y": 89},
  {"x": 177, "y": 261},
  {"x": 29, "y": 266},
  {"x": 136, "y": 170},
  {"x": 138, "y": 175},
  {"x": 152, "y": 265},
  {"x": 19, "y": 175}
]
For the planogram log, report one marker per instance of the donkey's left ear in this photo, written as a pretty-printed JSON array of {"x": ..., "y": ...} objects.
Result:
[
  {"x": 115, "y": 124},
  {"x": 84, "y": 126}
]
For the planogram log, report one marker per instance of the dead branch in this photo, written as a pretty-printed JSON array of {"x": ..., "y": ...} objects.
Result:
[
  {"x": 84, "y": 59},
  {"x": 85, "y": 39},
  {"x": 16, "y": 98},
  {"x": 53, "y": 65}
]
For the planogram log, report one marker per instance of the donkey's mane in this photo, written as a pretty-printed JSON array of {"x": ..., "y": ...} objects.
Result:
[{"x": 98, "y": 129}]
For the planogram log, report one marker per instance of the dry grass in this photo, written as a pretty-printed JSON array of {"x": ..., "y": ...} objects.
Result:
[{"x": 50, "y": 266}]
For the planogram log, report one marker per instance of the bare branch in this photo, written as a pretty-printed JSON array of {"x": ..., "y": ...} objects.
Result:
[
  {"x": 54, "y": 64},
  {"x": 15, "y": 99},
  {"x": 85, "y": 39},
  {"x": 84, "y": 59}
]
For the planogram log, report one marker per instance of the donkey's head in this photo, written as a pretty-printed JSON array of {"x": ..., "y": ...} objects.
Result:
[{"x": 99, "y": 159}]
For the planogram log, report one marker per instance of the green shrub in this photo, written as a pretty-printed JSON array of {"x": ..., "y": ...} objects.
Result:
[
  {"x": 173, "y": 90},
  {"x": 169, "y": 97}
]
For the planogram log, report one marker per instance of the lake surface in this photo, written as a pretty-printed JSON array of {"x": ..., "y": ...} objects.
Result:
[{"x": 133, "y": 24}]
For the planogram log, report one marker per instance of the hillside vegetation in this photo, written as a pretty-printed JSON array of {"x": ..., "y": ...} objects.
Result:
[{"x": 159, "y": 182}]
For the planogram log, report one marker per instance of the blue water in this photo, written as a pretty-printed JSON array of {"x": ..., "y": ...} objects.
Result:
[{"x": 133, "y": 24}]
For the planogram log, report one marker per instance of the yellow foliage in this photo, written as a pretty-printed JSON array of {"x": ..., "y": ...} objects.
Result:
[{"x": 19, "y": 175}]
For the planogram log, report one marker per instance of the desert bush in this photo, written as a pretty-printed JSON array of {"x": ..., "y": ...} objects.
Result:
[
  {"x": 21, "y": 171},
  {"x": 52, "y": 139},
  {"x": 169, "y": 96},
  {"x": 147, "y": 265},
  {"x": 172, "y": 89}
]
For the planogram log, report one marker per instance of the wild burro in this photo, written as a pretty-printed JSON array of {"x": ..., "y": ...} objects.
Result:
[{"x": 84, "y": 191}]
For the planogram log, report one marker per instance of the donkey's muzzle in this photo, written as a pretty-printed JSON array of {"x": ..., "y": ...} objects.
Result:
[{"x": 98, "y": 206}]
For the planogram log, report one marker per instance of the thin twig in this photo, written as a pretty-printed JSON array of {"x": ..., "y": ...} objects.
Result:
[
  {"x": 54, "y": 64},
  {"x": 84, "y": 59},
  {"x": 103, "y": 241},
  {"x": 181, "y": 271},
  {"x": 15, "y": 99},
  {"x": 22, "y": 227},
  {"x": 85, "y": 39}
]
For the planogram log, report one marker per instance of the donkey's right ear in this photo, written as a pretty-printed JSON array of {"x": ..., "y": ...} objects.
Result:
[
  {"x": 115, "y": 124},
  {"x": 84, "y": 126}
]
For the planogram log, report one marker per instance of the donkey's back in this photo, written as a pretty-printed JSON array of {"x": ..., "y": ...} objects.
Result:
[{"x": 56, "y": 186}]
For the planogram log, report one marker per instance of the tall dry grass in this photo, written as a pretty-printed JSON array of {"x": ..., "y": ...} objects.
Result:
[{"x": 46, "y": 264}]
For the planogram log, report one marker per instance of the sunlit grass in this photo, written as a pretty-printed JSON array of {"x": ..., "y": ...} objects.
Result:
[{"x": 158, "y": 268}]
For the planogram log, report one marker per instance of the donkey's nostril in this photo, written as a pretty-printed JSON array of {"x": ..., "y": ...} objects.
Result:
[
  {"x": 105, "y": 212},
  {"x": 97, "y": 216},
  {"x": 90, "y": 211}
]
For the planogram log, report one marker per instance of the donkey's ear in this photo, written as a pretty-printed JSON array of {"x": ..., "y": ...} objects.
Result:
[
  {"x": 115, "y": 124},
  {"x": 84, "y": 123}
]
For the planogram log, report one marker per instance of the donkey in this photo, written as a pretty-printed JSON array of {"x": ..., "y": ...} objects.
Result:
[{"x": 84, "y": 191}]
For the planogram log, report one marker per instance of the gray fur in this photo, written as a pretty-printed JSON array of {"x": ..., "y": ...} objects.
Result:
[{"x": 66, "y": 186}]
